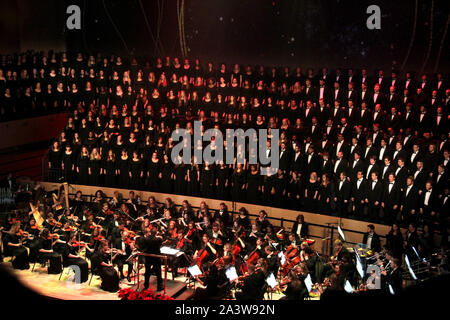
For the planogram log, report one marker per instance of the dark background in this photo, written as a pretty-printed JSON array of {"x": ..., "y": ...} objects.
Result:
[{"x": 309, "y": 33}]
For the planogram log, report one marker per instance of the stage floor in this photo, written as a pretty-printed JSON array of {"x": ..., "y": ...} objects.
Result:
[{"x": 51, "y": 286}]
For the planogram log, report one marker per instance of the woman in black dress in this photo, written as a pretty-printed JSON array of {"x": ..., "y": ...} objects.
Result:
[
  {"x": 254, "y": 183},
  {"x": 123, "y": 166},
  {"x": 95, "y": 168},
  {"x": 46, "y": 252},
  {"x": 295, "y": 191},
  {"x": 222, "y": 181},
  {"x": 193, "y": 179},
  {"x": 110, "y": 169},
  {"x": 71, "y": 256},
  {"x": 207, "y": 181},
  {"x": 14, "y": 248},
  {"x": 311, "y": 192},
  {"x": 83, "y": 166},
  {"x": 394, "y": 241},
  {"x": 68, "y": 164},
  {"x": 153, "y": 173},
  {"x": 136, "y": 171},
  {"x": 238, "y": 183},
  {"x": 54, "y": 162},
  {"x": 166, "y": 175},
  {"x": 102, "y": 265},
  {"x": 179, "y": 178},
  {"x": 325, "y": 196}
]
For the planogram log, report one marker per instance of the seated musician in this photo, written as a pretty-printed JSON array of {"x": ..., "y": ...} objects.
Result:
[
  {"x": 254, "y": 282},
  {"x": 213, "y": 281},
  {"x": 71, "y": 256},
  {"x": 125, "y": 247},
  {"x": 272, "y": 260},
  {"x": 295, "y": 289},
  {"x": 15, "y": 248},
  {"x": 182, "y": 244},
  {"x": 394, "y": 276},
  {"x": 102, "y": 266},
  {"x": 46, "y": 252},
  {"x": 206, "y": 253},
  {"x": 33, "y": 229},
  {"x": 262, "y": 221},
  {"x": 216, "y": 236}
]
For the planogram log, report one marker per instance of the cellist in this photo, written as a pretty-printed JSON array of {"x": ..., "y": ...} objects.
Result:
[{"x": 206, "y": 253}]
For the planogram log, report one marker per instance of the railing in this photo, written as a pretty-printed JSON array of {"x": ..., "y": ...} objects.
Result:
[{"x": 329, "y": 228}]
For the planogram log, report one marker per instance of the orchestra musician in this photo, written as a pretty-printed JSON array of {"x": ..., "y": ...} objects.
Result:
[
  {"x": 15, "y": 248},
  {"x": 125, "y": 246},
  {"x": 206, "y": 253},
  {"x": 71, "y": 256},
  {"x": 46, "y": 251},
  {"x": 254, "y": 282},
  {"x": 101, "y": 265}
]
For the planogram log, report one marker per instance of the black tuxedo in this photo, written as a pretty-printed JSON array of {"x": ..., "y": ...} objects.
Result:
[
  {"x": 420, "y": 179},
  {"x": 413, "y": 164},
  {"x": 303, "y": 231},
  {"x": 285, "y": 160},
  {"x": 375, "y": 243},
  {"x": 343, "y": 196},
  {"x": 354, "y": 167},
  {"x": 326, "y": 167},
  {"x": 296, "y": 164},
  {"x": 401, "y": 175},
  {"x": 374, "y": 195},
  {"x": 368, "y": 172},
  {"x": 367, "y": 152},
  {"x": 410, "y": 204},
  {"x": 341, "y": 167},
  {"x": 408, "y": 120},
  {"x": 391, "y": 199},
  {"x": 359, "y": 195}
]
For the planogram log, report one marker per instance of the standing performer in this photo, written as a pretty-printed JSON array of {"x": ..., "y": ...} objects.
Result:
[{"x": 151, "y": 245}]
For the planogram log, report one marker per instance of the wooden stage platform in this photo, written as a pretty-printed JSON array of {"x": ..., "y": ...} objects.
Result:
[{"x": 49, "y": 285}]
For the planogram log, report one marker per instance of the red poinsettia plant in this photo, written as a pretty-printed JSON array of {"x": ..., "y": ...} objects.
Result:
[{"x": 149, "y": 294}]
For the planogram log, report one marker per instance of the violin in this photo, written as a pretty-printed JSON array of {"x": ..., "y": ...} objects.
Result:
[
  {"x": 22, "y": 233},
  {"x": 53, "y": 222},
  {"x": 78, "y": 244},
  {"x": 99, "y": 238}
]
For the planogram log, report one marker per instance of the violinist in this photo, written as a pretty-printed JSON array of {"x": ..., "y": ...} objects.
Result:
[
  {"x": 125, "y": 246},
  {"x": 192, "y": 235},
  {"x": 339, "y": 251},
  {"x": 71, "y": 256},
  {"x": 171, "y": 233},
  {"x": 46, "y": 252},
  {"x": 116, "y": 232},
  {"x": 15, "y": 248},
  {"x": 254, "y": 282},
  {"x": 184, "y": 246},
  {"x": 102, "y": 266},
  {"x": 295, "y": 289},
  {"x": 214, "y": 283}
]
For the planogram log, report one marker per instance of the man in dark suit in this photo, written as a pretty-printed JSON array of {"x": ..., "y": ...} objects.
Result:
[
  {"x": 340, "y": 165},
  {"x": 326, "y": 166},
  {"x": 428, "y": 203},
  {"x": 395, "y": 276},
  {"x": 409, "y": 203},
  {"x": 393, "y": 119},
  {"x": 340, "y": 146},
  {"x": 285, "y": 158},
  {"x": 342, "y": 194},
  {"x": 356, "y": 166},
  {"x": 371, "y": 167},
  {"x": 151, "y": 245},
  {"x": 311, "y": 162},
  {"x": 300, "y": 228},
  {"x": 296, "y": 161},
  {"x": 309, "y": 92},
  {"x": 387, "y": 168},
  {"x": 374, "y": 195},
  {"x": 369, "y": 150},
  {"x": 398, "y": 152},
  {"x": 401, "y": 173},
  {"x": 420, "y": 176},
  {"x": 359, "y": 195},
  {"x": 393, "y": 98},
  {"x": 351, "y": 94},
  {"x": 377, "y": 116},
  {"x": 377, "y": 97},
  {"x": 371, "y": 239},
  {"x": 391, "y": 200},
  {"x": 412, "y": 241},
  {"x": 337, "y": 93}
]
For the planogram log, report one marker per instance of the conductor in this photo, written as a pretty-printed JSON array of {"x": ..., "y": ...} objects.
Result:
[{"x": 151, "y": 244}]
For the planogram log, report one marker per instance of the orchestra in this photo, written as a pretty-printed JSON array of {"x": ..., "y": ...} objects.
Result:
[{"x": 105, "y": 236}]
